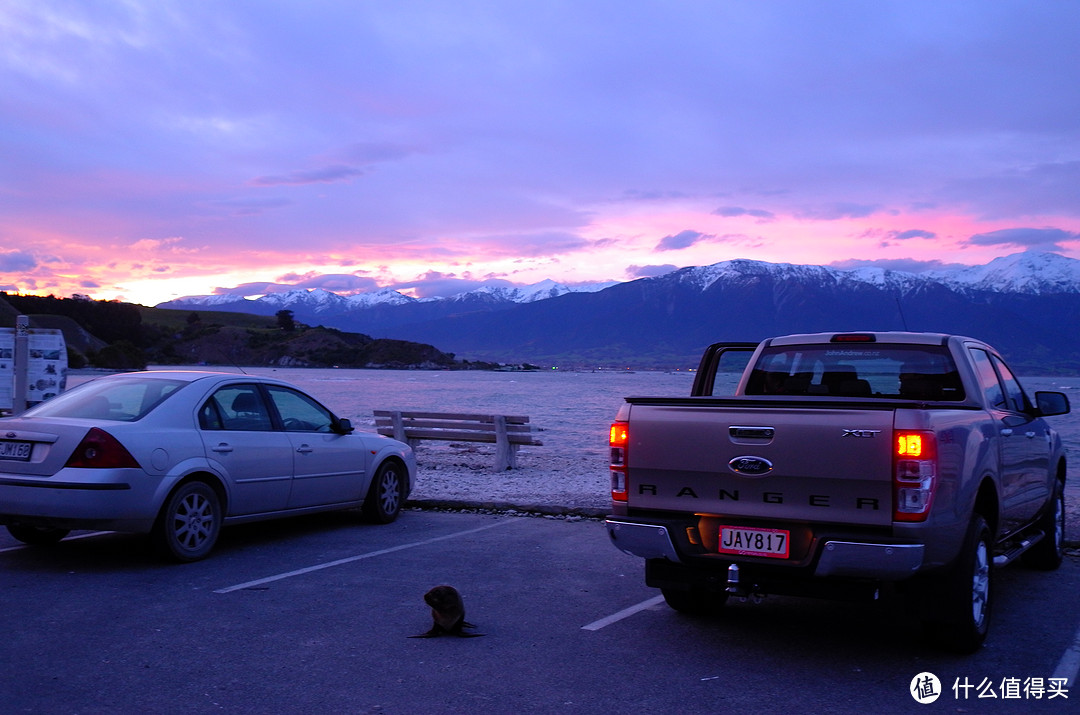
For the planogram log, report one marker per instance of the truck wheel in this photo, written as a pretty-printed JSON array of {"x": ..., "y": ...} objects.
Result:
[
  {"x": 1048, "y": 553},
  {"x": 962, "y": 617},
  {"x": 694, "y": 602}
]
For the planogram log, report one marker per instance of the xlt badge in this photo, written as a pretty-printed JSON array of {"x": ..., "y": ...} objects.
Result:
[{"x": 861, "y": 432}]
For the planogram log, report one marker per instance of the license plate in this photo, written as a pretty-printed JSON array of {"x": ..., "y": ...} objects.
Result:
[
  {"x": 16, "y": 450},
  {"x": 774, "y": 543}
]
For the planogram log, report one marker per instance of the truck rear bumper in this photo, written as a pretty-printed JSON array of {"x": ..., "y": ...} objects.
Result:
[
  {"x": 888, "y": 562},
  {"x": 843, "y": 559},
  {"x": 649, "y": 541}
]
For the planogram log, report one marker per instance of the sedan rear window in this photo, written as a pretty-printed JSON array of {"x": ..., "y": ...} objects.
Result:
[
  {"x": 119, "y": 400},
  {"x": 877, "y": 371}
]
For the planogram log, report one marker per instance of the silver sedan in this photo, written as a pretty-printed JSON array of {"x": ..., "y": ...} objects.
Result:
[{"x": 180, "y": 454}]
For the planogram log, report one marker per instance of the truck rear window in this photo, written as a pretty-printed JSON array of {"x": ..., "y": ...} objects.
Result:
[{"x": 915, "y": 372}]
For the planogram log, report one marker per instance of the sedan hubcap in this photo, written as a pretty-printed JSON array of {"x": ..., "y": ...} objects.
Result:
[
  {"x": 390, "y": 492},
  {"x": 193, "y": 521}
]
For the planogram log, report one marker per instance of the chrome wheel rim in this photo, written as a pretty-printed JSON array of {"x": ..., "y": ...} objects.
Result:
[
  {"x": 980, "y": 583},
  {"x": 389, "y": 491},
  {"x": 1059, "y": 523},
  {"x": 193, "y": 521}
]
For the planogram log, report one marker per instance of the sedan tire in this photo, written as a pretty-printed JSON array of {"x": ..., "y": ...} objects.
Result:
[
  {"x": 188, "y": 526},
  {"x": 386, "y": 494}
]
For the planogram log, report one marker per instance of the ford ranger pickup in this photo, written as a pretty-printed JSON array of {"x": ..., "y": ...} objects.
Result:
[{"x": 838, "y": 465}]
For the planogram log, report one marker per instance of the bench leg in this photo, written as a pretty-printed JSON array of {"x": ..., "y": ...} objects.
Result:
[{"x": 505, "y": 453}]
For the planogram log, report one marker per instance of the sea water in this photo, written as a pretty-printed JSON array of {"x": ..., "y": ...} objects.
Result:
[{"x": 571, "y": 409}]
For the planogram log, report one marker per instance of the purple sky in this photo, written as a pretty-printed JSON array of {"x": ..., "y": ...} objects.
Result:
[{"x": 151, "y": 149}]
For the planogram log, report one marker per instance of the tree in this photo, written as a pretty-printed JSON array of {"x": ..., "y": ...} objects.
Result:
[{"x": 285, "y": 320}]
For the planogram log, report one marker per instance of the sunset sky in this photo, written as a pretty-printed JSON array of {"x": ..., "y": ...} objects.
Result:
[{"x": 152, "y": 149}]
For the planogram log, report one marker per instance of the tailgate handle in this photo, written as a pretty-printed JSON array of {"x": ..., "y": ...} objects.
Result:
[{"x": 751, "y": 432}]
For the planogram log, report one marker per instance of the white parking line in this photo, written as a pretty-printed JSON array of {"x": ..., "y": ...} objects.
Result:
[
  {"x": 359, "y": 557},
  {"x": 624, "y": 613},
  {"x": 1069, "y": 665}
]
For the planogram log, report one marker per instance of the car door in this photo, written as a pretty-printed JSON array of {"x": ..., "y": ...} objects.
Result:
[
  {"x": 238, "y": 435},
  {"x": 1024, "y": 442},
  {"x": 328, "y": 467}
]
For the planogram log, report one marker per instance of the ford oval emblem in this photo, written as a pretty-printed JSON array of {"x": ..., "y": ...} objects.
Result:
[{"x": 750, "y": 466}]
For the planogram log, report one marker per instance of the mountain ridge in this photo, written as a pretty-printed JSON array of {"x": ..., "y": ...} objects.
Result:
[{"x": 1019, "y": 303}]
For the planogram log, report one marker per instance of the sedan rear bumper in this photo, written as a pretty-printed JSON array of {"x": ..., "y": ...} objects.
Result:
[{"x": 119, "y": 500}]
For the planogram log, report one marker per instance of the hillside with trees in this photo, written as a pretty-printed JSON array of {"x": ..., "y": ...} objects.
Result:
[{"x": 111, "y": 334}]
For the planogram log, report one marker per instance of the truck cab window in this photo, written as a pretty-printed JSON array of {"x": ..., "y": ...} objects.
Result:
[{"x": 988, "y": 379}]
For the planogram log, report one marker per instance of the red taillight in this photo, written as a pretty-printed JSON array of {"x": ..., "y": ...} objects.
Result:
[
  {"x": 620, "y": 436},
  {"x": 914, "y": 474},
  {"x": 100, "y": 450}
]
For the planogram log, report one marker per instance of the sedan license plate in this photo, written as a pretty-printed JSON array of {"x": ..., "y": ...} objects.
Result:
[
  {"x": 16, "y": 450},
  {"x": 774, "y": 543}
]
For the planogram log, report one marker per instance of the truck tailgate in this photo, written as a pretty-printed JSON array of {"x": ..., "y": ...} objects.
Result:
[{"x": 829, "y": 464}]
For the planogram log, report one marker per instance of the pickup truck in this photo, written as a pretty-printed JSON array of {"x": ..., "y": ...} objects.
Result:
[{"x": 842, "y": 465}]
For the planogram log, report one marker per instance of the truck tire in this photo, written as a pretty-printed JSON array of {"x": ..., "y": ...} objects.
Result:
[
  {"x": 962, "y": 598},
  {"x": 694, "y": 602},
  {"x": 1048, "y": 553}
]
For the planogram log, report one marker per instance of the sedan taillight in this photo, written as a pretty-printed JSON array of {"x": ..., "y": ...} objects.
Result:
[{"x": 100, "y": 450}]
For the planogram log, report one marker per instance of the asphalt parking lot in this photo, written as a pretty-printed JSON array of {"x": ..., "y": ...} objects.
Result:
[{"x": 314, "y": 615}]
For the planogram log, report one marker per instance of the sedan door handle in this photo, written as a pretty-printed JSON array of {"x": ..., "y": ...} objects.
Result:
[
  {"x": 1029, "y": 435},
  {"x": 1006, "y": 432},
  {"x": 223, "y": 447},
  {"x": 304, "y": 449}
]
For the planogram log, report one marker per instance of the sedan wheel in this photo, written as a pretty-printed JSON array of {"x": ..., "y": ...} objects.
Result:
[
  {"x": 384, "y": 497},
  {"x": 187, "y": 527}
]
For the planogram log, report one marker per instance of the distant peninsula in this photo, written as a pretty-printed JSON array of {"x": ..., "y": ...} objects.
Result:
[{"x": 126, "y": 336}]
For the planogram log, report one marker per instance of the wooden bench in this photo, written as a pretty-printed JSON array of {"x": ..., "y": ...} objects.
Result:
[{"x": 506, "y": 432}]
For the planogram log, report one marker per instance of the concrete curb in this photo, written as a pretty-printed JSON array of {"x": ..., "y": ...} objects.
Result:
[{"x": 502, "y": 507}]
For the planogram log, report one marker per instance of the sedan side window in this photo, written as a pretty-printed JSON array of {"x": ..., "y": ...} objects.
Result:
[
  {"x": 299, "y": 413},
  {"x": 236, "y": 407}
]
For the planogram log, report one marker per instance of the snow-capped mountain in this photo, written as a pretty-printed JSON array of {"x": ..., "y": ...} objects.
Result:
[
  {"x": 538, "y": 291},
  {"x": 1028, "y": 305},
  {"x": 320, "y": 301},
  {"x": 1030, "y": 273}
]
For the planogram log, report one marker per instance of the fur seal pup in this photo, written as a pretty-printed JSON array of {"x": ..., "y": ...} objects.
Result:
[{"x": 448, "y": 613}]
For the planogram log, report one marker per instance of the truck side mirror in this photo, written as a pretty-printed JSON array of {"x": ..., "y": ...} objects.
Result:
[{"x": 1051, "y": 403}]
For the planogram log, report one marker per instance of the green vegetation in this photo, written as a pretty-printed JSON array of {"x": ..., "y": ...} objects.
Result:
[{"x": 125, "y": 336}]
